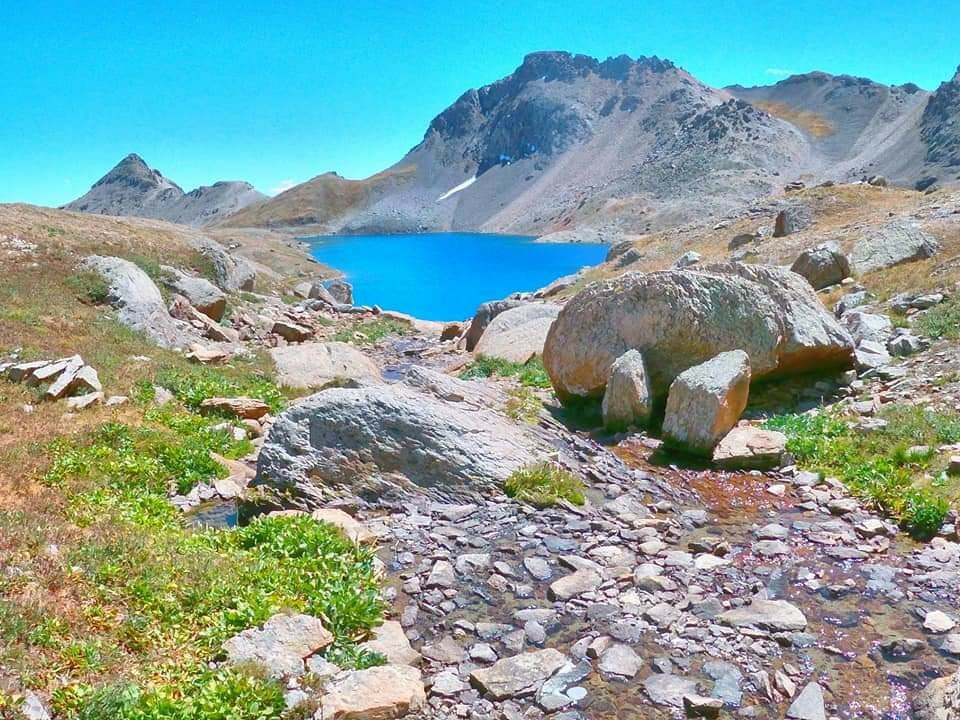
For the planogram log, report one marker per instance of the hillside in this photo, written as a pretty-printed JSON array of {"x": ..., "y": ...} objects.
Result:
[
  {"x": 629, "y": 146},
  {"x": 561, "y": 141},
  {"x": 132, "y": 188}
]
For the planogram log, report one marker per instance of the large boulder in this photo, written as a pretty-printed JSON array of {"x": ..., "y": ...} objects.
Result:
[
  {"x": 313, "y": 366},
  {"x": 232, "y": 272},
  {"x": 202, "y": 294},
  {"x": 705, "y": 402},
  {"x": 341, "y": 291},
  {"x": 280, "y": 646},
  {"x": 518, "y": 334},
  {"x": 627, "y": 399},
  {"x": 940, "y": 700},
  {"x": 484, "y": 315},
  {"x": 823, "y": 265},
  {"x": 138, "y": 301},
  {"x": 680, "y": 318},
  {"x": 430, "y": 433},
  {"x": 895, "y": 243}
]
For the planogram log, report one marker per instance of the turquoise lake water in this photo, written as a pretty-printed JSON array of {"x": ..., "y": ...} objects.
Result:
[{"x": 444, "y": 276}]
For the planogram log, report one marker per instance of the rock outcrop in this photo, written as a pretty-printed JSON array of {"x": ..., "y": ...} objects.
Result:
[
  {"x": 680, "y": 318},
  {"x": 895, "y": 243},
  {"x": 314, "y": 366},
  {"x": 429, "y": 433},
  {"x": 202, "y": 294},
  {"x": 518, "y": 334},
  {"x": 138, "y": 301},
  {"x": 706, "y": 401}
]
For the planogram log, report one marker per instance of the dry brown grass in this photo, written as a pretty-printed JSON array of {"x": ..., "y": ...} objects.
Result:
[{"x": 811, "y": 122}]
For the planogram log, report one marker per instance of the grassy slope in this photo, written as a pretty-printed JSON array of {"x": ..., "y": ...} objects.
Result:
[{"x": 108, "y": 606}]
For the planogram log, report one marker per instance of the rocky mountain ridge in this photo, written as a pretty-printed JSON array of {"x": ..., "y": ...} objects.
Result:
[
  {"x": 132, "y": 188},
  {"x": 567, "y": 141}
]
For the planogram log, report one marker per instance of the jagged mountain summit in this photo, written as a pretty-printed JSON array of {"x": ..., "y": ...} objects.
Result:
[
  {"x": 567, "y": 141},
  {"x": 561, "y": 141},
  {"x": 133, "y": 188}
]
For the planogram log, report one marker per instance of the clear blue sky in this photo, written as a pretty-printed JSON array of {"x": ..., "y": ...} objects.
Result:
[{"x": 277, "y": 92}]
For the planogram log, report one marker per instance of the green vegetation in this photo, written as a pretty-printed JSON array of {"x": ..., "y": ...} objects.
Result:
[
  {"x": 523, "y": 405},
  {"x": 89, "y": 286},
  {"x": 879, "y": 466},
  {"x": 370, "y": 333},
  {"x": 942, "y": 321},
  {"x": 162, "y": 598},
  {"x": 532, "y": 373},
  {"x": 544, "y": 484},
  {"x": 197, "y": 383}
]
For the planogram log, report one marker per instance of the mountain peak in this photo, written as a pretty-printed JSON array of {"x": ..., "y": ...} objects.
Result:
[{"x": 134, "y": 172}]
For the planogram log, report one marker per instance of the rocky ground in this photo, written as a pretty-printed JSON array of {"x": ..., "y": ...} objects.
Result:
[{"x": 676, "y": 588}]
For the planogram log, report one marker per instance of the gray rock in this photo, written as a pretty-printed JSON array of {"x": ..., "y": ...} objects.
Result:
[
  {"x": 388, "y": 691},
  {"x": 705, "y": 402},
  {"x": 575, "y": 584},
  {"x": 620, "y": 660},
  {"x": 823, "y": 265},
  {"x": 772, "y": 615},
  {"x": 341, "y": 291},
  {"x": 280, "y": 646},
  {"x": 518, "y": 334},
  {"x": 850, "y": 301},
  {"x": 484, "y": 315},
  {"x": 748, "y": 447},
  {"x": 808, "y": 704},
  {"x": 688, "y": 259},
  {"x": 518, "y": 676},
  {"x": 667, "y": 689},
  {"x": 429, "y": 432},
  {"x": 790, "y": 220},
  {"x": 864, "y": 326},
  {"x": 138, "y": 302},
  {"x": 318, "y": 365},
  {"x": 202, "y": 294},
  {"x": 939, "y": 700},
  {"x": 627, "y": 399},
  {"x": 441, "y": 576},
  {"x": 895, "y": 243},
  {"x": 680, "y": 318},
  {"x": 232, "y": 272}
]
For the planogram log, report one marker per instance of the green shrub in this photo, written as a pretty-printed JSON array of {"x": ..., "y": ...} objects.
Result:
[
  {"x": 89, "y": 286},
  {"x": 532, "y": 373},
  {"x": 213, "y": 695},
  {"x": 544, "y": 484},
  {"x": 200, "y": 383},
  {"x": 523, "y": 405},
  {"x": 879, "y": 466},
  {"x": 372, "y": 332},
  {"x": 942, "y": 321}
]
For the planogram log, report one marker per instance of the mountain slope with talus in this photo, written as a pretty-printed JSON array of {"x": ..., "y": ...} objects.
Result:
[
  {"x": 132, "y": 188},
  {"x": 563, "y": 138}
]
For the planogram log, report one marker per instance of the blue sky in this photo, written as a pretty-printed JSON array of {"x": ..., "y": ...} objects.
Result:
[{"x": 277, "y": 92}]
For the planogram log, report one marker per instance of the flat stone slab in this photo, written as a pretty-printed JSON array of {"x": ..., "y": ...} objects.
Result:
[{"x": 520, "y": 675}]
